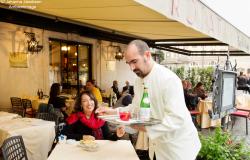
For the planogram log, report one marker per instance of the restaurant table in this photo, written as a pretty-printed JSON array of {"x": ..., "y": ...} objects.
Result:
[
  {"x": 5, "y": 116},
  {"x": 38, "y": 135},
  {"x": 36, "y": 102},
  {"x": 107, "y": 150},
  {"x": 204, "y": 120}
]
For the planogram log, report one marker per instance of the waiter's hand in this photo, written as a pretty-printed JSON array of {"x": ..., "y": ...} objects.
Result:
[
  {"x": 139, "y": 127},
  {"x": 105, "y": 111}
]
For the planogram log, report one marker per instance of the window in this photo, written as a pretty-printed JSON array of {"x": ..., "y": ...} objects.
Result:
[{"x": 70, "y": 64}]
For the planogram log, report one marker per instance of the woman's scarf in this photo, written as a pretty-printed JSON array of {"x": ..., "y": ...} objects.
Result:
[{"x": 94, "y": 123}]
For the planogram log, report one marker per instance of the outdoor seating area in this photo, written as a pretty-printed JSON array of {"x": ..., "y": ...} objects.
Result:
[{"x": 47, "y": 124}]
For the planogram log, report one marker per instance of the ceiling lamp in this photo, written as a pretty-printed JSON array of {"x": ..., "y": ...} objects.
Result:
[
  {"x": 65, "y": 48},
  {"x": 118, "y": 54}
]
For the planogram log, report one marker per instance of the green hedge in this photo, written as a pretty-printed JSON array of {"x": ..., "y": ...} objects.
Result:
[{"x": 195, "y": 75}]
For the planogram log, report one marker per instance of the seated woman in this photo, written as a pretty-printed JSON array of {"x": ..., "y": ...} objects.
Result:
[
  {"x": 85, "y": 122},
  {"x": 191, "y": 99},
  {"x": 55, "y": 99},
  {"x": 200, "y": 91}
]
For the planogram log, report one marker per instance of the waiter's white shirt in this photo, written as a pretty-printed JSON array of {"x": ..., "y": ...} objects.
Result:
[{"x": 176, "y": 138}]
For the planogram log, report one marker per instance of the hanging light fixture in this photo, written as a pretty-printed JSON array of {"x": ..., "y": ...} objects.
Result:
[
  {"x": 33, "y": 44},
  {"x": 118, "y": 54}
]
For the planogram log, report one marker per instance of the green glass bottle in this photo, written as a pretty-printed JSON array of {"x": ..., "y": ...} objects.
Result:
[{"x": 145, "y": 106}]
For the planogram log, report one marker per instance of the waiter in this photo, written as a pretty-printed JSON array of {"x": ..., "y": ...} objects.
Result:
[{"x": 176, "y": 138}]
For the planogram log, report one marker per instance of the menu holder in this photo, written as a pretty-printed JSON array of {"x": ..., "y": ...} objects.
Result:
[{"x": 115, "y": 119}]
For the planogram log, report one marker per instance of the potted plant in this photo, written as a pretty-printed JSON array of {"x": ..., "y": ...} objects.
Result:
[{"x": 221, "y": 146}]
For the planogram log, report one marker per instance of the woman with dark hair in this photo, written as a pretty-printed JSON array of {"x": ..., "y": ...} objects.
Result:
[
  {"x": 191, "y": 99},
  {"x": 200, "y": 91},
  {"x": 85, "y": 121},
  {"x": 57, "y": 101}
]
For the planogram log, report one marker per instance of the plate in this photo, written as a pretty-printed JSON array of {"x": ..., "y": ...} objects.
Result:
[
  {"x": 92, "y": 148},
  {"x": 71, "y": 141}
]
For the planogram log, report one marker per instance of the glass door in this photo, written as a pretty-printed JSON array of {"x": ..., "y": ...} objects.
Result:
[
  {"x": 69, "y": 68},
  {"x": 83, "y": 63},
  {"x": 75, "y": 64}
]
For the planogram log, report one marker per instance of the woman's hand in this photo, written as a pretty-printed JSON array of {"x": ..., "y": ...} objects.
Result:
[{"x": 120, "y": 131}]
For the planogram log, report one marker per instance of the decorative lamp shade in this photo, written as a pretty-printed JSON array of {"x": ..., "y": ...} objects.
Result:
[{"x": 119, "y": 55}]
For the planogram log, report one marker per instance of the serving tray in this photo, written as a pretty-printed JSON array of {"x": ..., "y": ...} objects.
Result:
[{"x": 115, "y": 119}]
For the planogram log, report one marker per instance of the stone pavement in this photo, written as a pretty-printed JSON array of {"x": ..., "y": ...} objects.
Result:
[{"x": 239, "y": 129}]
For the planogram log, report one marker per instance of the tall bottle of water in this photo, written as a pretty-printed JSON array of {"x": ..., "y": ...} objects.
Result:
[{"x": 145, "y": 106}]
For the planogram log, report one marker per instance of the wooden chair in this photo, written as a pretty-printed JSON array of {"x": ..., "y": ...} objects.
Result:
[
  {"x": 13, "y": 149},
  {"x": 17, "y": 106},
  {"x": 241, "y": 113},
  {"x": 28, "y": 110},
  {"x": 45, "y": 108}
]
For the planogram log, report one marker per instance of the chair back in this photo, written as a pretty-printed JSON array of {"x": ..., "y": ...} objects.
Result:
[
  {"x": 16, "y": 102},
  {"x": 26, "y": 103},
  {"x": 45, "y": 108},
  {"x": 17, "y": 105},
  {"x": 13, "y": 149},
  {"x": 48, "y": 117}
]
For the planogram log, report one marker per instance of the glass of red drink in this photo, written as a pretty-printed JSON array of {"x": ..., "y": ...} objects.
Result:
[{"x": 124, "y": 115}]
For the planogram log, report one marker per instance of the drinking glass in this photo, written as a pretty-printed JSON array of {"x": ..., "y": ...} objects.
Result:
[{"x": 124, "y": 114}]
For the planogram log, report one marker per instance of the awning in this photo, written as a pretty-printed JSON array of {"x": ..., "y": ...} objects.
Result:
[{"x": 155, "y": 21}]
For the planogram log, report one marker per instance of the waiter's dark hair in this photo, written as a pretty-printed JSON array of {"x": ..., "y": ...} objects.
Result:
[{"x": 140, "y": 45}]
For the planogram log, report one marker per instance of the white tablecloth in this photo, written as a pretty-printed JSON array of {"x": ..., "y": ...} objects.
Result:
[
  {"x": 108, "y": 150},
  {"x": 37, "y": 102},
  {"x": 5, "y": 116},
  {"x": 205, "y": 120},
  {"x": 38, "y": 135}
]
